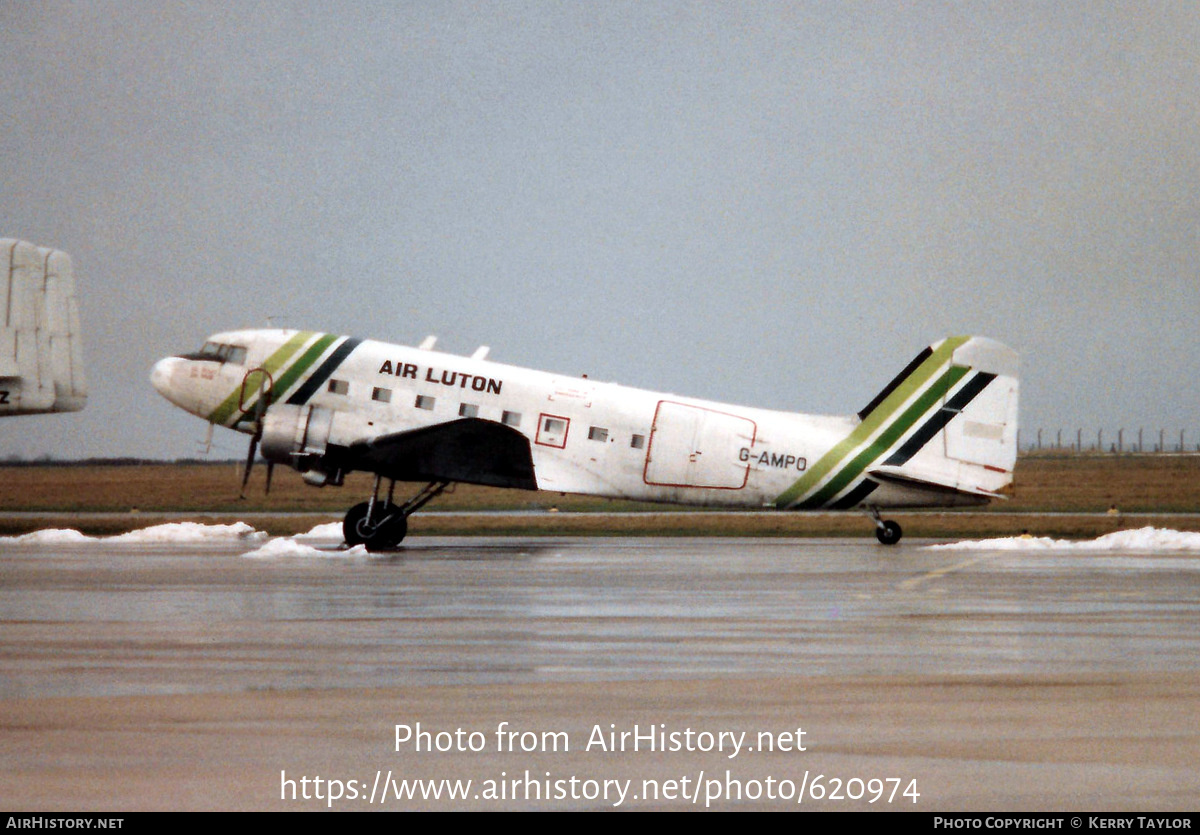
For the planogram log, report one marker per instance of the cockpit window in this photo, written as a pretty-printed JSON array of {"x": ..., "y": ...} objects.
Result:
[{"x": 220, "y": 352}]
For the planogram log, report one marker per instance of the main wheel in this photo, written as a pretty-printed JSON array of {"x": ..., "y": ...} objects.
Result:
[
  {"x": 889, "y": 533},
  {"x": 389, "y": 534},
  {"x": 355, "y": 517},
  {"x": 357, "y": 529}
]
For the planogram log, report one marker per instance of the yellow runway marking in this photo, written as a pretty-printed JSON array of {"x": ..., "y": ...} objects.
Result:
[{"x": 913, "y": 582}]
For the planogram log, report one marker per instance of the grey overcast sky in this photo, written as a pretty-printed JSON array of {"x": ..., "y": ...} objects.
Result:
[{"x": 775, "y": 204}]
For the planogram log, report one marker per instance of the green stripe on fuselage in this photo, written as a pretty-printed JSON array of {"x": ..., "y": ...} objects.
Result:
[
  {"x": 886, "y": 439},
  {"x": 314, "y": 353},
  {"x": 878, "y": 418},
  {"x": 273, "y": 363}
]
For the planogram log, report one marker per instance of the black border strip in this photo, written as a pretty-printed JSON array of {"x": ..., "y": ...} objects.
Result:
[
  {"x": 897, "y": 380},
  {"x": 940, "y": 418},
  {"x": 858, "y": 494},
  {"x": 323, "y": 373}
]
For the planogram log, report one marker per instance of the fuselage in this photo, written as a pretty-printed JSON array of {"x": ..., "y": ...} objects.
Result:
[{"x": 584, "y": 436}]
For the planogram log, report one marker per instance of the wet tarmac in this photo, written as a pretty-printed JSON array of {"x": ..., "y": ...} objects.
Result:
[
  {"x": 165, "y": 676},
  {"x": 98, "y": 619}
]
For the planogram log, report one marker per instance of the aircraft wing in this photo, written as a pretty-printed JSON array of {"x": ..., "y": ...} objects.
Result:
[{"x": 470, "y": 450}]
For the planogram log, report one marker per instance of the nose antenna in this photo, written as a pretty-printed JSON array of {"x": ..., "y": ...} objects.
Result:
[{"x": 206, "y": 444}]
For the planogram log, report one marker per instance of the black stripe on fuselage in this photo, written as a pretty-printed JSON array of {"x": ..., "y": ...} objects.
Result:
[
  {"x": 866, "y": 488},
  {"x": 939, "y": 420},
  {"x": 897, "y": 380},
  {"x": 313, "y": 383}
]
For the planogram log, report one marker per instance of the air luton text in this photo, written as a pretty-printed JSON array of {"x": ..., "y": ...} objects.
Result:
[{"x": 455, "y": 379}]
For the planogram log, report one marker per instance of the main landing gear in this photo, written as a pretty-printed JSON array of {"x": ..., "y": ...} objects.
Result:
[
  {"x": 886, "y": 530},
  {"x": 381, "y": 524}
]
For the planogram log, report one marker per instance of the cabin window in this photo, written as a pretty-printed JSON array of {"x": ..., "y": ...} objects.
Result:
[
  {"x": 468, "y": 410},
  {"x": 511, "y": 418},
  {"x": 424, "y": 402},
  {"x": 237, "y": 355},
  {"x": 339, "y": 387},
  {"x": 597, "y": 433},
  {"x": 552, "y": 431},
  {"x": 381, "y": 395},
  {"x": 638, "y": 442}
]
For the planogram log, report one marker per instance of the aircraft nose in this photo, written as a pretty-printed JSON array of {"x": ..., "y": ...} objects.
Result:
[{"x": 161, "y": 374}]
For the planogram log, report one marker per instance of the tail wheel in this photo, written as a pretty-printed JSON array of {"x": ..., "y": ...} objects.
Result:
[{"x": 888, "y": 532}]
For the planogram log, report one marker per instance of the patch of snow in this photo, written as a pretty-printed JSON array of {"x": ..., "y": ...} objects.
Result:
[
  {"x": 53, "y": 536},
  {"x": 189, "y": 533},
  {"x": 1142, "y": 539},
  {"x": 333, "y": 530},
  {"x": 185, "y": 533},
  {"x": 288, "y": 547}
]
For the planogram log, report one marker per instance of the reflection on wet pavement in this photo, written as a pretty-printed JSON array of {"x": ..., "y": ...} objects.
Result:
[{"x": 102, "y": 618}]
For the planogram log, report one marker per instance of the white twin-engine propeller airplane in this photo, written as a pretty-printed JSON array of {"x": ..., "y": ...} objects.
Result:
[{"x": 942, "y": 433}]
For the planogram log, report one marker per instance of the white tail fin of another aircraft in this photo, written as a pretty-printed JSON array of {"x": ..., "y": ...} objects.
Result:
[{"x": 41, "y": 356}]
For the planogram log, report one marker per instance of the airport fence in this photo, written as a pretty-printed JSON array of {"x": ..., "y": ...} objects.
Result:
[{"x": 1127, "y": 441}]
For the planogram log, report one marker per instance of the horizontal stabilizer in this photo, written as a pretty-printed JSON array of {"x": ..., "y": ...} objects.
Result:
[{"x": 929, "y": 481}]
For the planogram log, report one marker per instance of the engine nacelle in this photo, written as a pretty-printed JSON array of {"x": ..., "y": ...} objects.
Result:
[{"x": 296, "y": 435}]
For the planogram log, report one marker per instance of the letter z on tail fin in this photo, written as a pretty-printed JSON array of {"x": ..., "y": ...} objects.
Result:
[{"x": 942, "y": 433}]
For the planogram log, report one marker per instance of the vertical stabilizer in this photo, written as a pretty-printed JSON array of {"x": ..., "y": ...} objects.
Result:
[
  {"x": 41, "y": 355},
  {"x": 943, "y": 431},
  {"x": 968, "y": 443}
]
